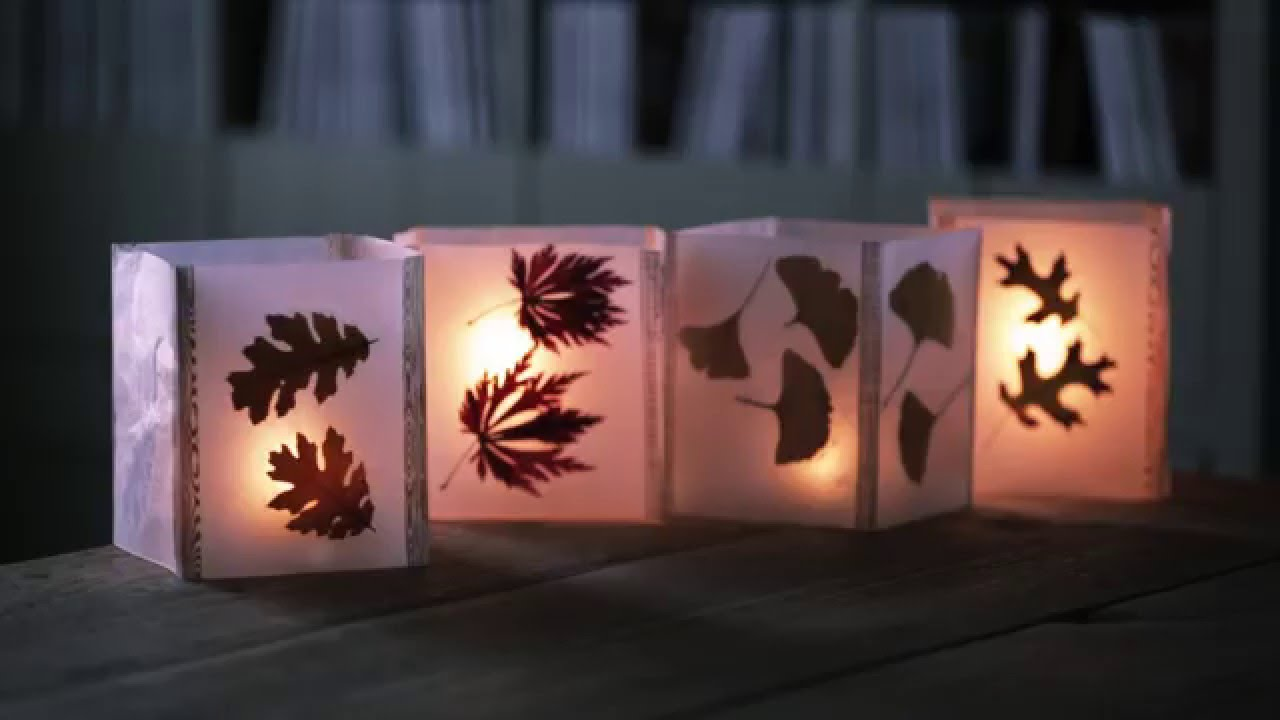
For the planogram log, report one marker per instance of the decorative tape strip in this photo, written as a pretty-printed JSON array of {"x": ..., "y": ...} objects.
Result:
[
  {"x": 1156, "y": 470},
  {"x": 865, "y": 496},
  {"x": 670, "y": 323},
  {"x": 415, "y": 435},
  {"x": 187, "y": 513},
  {"x": 654, "y": 389}
]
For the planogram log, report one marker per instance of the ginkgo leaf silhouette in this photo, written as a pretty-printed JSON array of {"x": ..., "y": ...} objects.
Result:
[
  {"x": 915, "y": 426},
  {"x": 803, "y": 410},
  {"x": 282, "y": 372},
  {"x": 1048, "y": 288},
  {"x": 923, "y": 300},
  {"x": 521, "y": 428},
  {"x": 718, "y": 348},
  {"x": 323, "y": 500},
  {"x": 915, "y": 430},
  {"x": 828, "y": 310},
  {"x": 1046, "y": 392},
  {"x": 564, "y": 300}
]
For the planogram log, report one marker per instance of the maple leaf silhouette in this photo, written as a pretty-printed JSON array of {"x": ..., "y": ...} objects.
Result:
[
  {"x": 718, "y": 348},
  {"x": 1048, "y": 288},
  {"x": 564, "y": 300},
  {"x": 281, "y": 373},
  {"x": 521, "y": 428},
  {"x": 803, "y": 410},
  {"x": 322, "y": 500},
  {"x": 922, "y": 299},
  {"x": 828, "y": 310},
  {"x": 1045, "y": 392}
]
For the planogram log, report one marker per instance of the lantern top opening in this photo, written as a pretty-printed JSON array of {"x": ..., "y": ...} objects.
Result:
[
  {"x": 837, "y": 230},
  {"x": 270, "y": 251},
  {"x": 1110, "y": 212},
  {"x": 647, "y": 237}
]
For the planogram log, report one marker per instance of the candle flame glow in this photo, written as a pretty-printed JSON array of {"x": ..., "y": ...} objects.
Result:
[{"x": 494, "y": 344}]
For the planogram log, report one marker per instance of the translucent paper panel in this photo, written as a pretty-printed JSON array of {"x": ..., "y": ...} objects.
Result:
[
  {"x": 822, "y": 372},
  {"x": 1072, "y": 350},
  {"x": 543, "y": 373}
]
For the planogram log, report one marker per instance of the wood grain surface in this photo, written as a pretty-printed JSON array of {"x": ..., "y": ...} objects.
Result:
[{"x": 690, "y": 619}]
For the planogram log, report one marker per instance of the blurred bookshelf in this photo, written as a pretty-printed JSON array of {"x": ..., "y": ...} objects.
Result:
[{"x": 308, "y": 116}]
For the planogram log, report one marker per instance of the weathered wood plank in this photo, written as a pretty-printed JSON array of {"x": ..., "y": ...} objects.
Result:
[
  {"x": 685, "y": 633},
  {"x": 1160, "y": 657},
  {"x": 94, "y": 615}
]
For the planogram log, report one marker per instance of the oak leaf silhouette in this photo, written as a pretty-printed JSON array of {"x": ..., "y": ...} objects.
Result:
[
  {"x": 718, "y": 348},
  {"x": 323, "y": 500},
  {"x": 923, "y": 300},
  {"x": 803, "y": 410},
  {"x": 564, "y": 300},
  {"x": 1045, "y": 392},
  {"x": 521, "y": 428},
  {"x": 1048, "y": 288},
  {"x": 282, "y": 372},
  {"x": 828, "y": 310}
]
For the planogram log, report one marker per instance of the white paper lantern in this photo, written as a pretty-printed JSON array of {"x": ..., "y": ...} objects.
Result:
[
  {"x": 1073, "y": 348},
  {"x": 544, "y": 372},
  {"x": 822, "y": 372},
  {"x": 268, "y": 405}
]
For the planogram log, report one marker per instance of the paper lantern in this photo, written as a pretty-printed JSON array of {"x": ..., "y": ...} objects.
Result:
[
  {"x": 268, "y": 404},
  {"x": 822, "y": 372},
  {"x": 1073, "y": 357},
  {"x": 543, "y": 372}
]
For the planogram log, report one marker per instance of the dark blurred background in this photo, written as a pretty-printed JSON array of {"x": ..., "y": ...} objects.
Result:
[{"x": 144, "y": 120}]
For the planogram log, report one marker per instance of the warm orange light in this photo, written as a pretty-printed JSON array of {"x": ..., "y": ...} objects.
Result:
[
  {"x": 1048, "y": 339},
  {"x": 495, "y": 342},
  {"x": 824, "y": 472},
  {"x": 256, "y": 486}
]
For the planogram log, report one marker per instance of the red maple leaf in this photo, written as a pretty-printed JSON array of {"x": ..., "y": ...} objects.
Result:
[
  {"x": 565, "y": 300},
  {"x": 521, "y": 428}
]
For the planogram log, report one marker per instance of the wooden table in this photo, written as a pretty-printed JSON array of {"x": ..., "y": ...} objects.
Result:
[{"x": 1019, "y": 608}]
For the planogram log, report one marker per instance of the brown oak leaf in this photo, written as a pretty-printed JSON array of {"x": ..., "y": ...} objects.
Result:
[
  {"x": 1045, "y": 392},
  {"x": 521, "y": 428},
  {"x": 323, "y": 500},
  {"x": 1047, "y": 288},
  {"x": 565, "y": 300},
  {"x": 281, "y": 373}
]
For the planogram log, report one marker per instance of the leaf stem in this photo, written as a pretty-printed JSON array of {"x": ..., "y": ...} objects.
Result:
[
  {"x": 911, "y": 358},
  {"x": 753, "y": 403},
  {"x": 754, "y": 286},
  {"x": 499, "y": 306},
  {"x": 951, "y": 396},
  {"x": 449, "y": 478}
]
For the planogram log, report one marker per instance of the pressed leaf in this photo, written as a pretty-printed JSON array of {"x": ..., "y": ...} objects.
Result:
[
  {"x": 803, "y": 410},
  {"x": 1046, "y": 392},
  {"x": 915, "y": 427},
  {"x": 566, "y": 300},
  {"x": 717, "y": 348},
  {"x": 1048, "y": 288},
  {"x": 521, "y": 427},
  {"x": 281, "y": 372},
  {"x": 323, "y": 500},
  {"x": 922, "y": 299},
  {"x": 828, "y": 310}
]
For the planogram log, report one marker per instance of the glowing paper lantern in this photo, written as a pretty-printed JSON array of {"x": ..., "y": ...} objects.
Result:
[
  {"x": 268, "y": 404},
  {"x": 1073, "y": 357},
  {"x": 543, "y": 372},
  {"x": 822, "y": 372}
]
